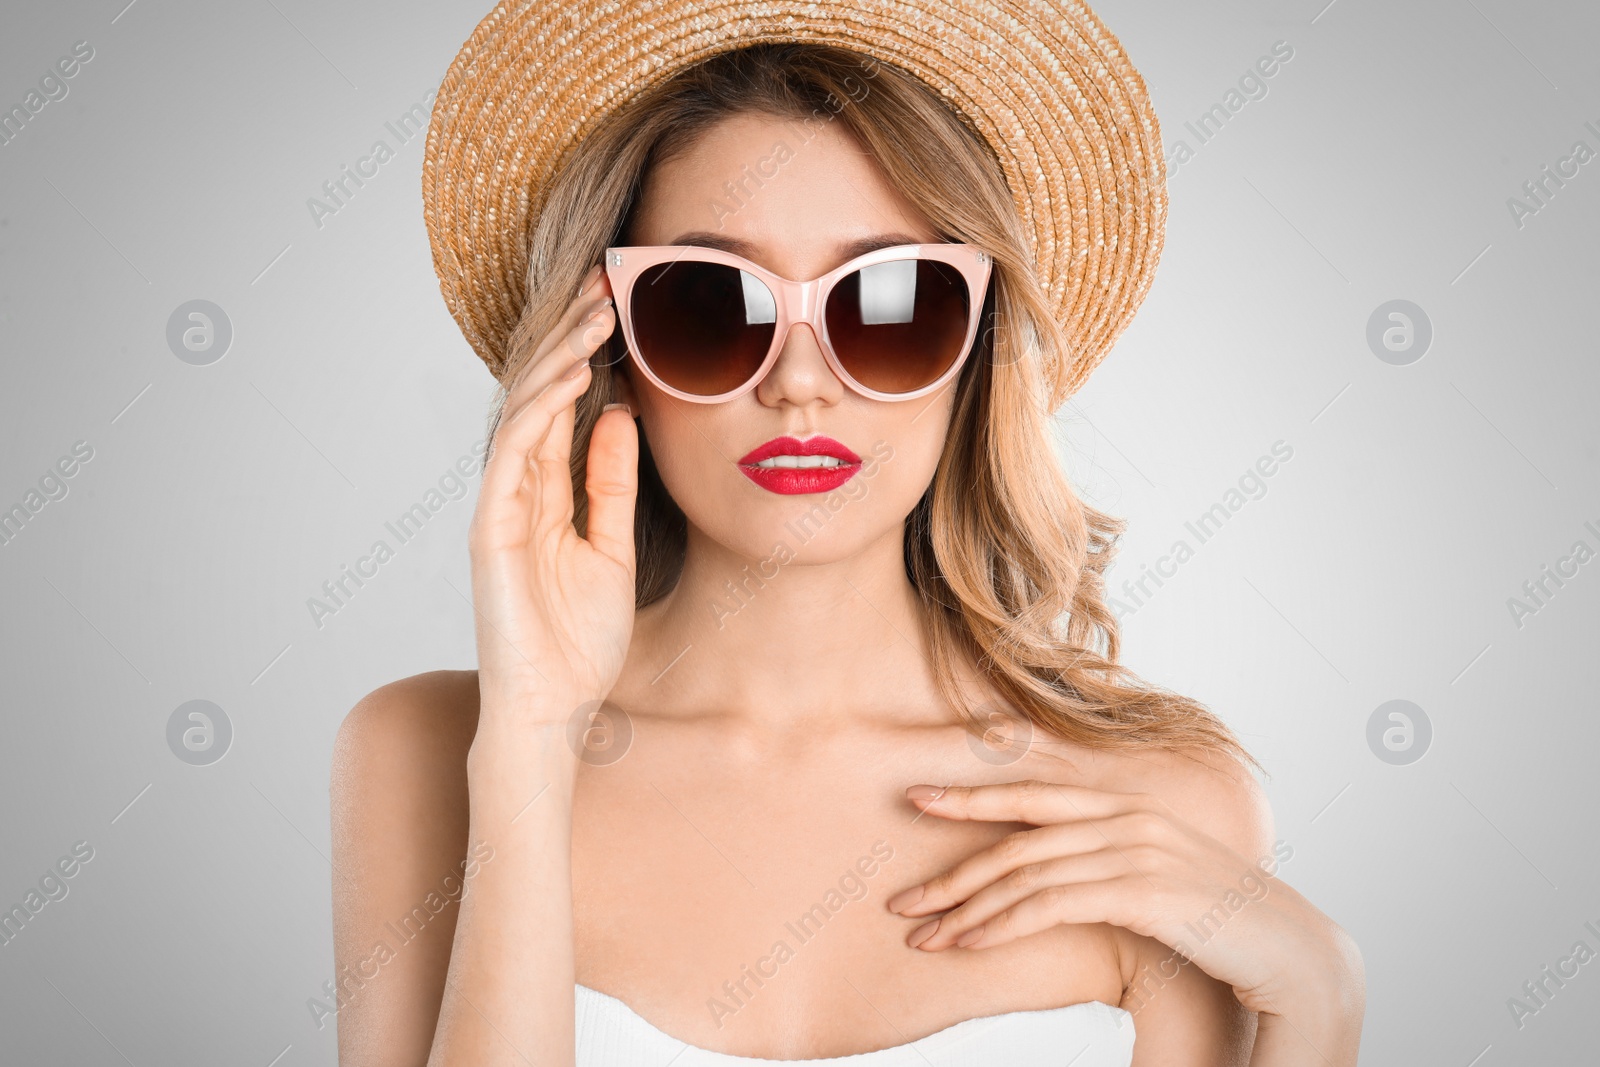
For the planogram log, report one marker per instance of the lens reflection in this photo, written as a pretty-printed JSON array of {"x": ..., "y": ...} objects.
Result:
[{"x": 898, "y": 326}]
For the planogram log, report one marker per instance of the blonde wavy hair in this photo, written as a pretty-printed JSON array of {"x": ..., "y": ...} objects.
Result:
[{"x": 1006, "y": 559}]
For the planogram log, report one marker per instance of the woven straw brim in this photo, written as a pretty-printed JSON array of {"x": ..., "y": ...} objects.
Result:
[{"x": 1045, "y": 83}]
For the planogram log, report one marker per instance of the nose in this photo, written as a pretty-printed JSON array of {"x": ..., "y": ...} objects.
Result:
[{"x": 801, "y": 374}]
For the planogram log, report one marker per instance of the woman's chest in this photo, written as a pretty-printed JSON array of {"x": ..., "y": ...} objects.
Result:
[{"x": 741, "y": 906}]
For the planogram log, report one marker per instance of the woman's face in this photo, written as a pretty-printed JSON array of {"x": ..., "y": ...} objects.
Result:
[{"x": 825, "y": 196}]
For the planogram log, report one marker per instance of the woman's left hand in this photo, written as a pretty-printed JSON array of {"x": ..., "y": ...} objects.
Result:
[{"x": 1128, "y": 860}]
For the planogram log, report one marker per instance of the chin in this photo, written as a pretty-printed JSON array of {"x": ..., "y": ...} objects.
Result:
[{"x": 808, "y": 529}]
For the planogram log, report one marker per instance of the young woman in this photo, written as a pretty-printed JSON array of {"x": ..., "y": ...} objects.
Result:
[{"x": 798, "y": 730}]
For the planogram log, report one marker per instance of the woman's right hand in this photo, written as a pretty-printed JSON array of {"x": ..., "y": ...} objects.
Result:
[{"x": 554, "y": 611}]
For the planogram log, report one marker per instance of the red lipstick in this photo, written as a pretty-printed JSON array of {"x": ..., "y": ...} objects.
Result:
[{"x": 811, "y": 479}]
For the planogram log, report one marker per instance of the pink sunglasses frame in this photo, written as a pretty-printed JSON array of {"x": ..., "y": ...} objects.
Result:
[{"x": 797, "y": 301}]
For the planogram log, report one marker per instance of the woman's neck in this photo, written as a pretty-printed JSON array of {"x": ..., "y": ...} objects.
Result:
[{"x": 789, "y": 642}]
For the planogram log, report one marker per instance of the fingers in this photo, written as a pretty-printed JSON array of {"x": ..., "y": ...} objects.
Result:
[
  {"x": 581, "y": 340},
  {"x": 580, "y": 343},
  {"x": 1091, "y": 892},
  {"x": 518, "y": 436},
  {"x": 552, "y": 458},
  {"x": 1016, "y": 852},
  {"x": 533, "y": 445},
  {"x": 550, "y": 360},
  {"x": 613, "y": 485},
  {"x": 1029, "y": 801},
  {"x": 596, "y": 295}
]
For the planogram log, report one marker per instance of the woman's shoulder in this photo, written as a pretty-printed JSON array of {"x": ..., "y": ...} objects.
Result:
[
  {"x": 408, "y": 738},
  {"x": 435, "y": 706}
]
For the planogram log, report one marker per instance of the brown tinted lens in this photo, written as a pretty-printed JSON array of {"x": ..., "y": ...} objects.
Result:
[
  {"x": 702, "y": 328},
  {"x": 898, "y": 326}
]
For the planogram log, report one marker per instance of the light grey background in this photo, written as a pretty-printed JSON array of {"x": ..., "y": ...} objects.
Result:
[{"x": 1377, "y": 565}]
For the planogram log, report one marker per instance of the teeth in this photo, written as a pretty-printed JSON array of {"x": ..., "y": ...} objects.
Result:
[{"x": 800, "y": 461}]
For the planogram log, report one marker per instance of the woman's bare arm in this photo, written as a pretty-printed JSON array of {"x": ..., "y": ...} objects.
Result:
[
  {"x": 509, "y": 992},
  {"x": 400, "y": 863},
  {"x": 553, "y": 615},
  {"x": 452, "y": 928},
  {"x": 1182, "y": 1014}
]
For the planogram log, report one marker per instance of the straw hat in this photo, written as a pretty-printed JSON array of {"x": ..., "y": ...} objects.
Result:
[{"x": 1043, "y": 81}]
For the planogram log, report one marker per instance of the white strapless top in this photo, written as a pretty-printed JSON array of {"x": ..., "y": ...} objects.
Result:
[{"x": 1091, "y": 1034}]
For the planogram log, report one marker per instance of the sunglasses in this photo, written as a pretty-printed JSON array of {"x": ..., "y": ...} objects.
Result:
[{"x": 706, "y": 325}]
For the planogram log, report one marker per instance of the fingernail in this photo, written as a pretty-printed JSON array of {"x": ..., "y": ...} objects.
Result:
[
  {"x": 922, "y": 933},
  {"x": 618, "y": 404},
  {"x": 589, "y": 279},
  {"x": 971, "y": 937},
  {"x": 577, "y": 369},
  {"x": 924, "y": 792},
  {"x": 901, "y": 901}
]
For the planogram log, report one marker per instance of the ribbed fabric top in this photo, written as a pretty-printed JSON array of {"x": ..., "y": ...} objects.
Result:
[{"x": 1091, "y": 1034}]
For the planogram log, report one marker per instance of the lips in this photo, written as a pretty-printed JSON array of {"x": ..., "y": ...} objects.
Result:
[{"x": 800, "y": 479}]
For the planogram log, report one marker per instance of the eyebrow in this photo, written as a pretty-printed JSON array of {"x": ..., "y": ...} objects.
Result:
[{"x": 845, "y": 251}]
